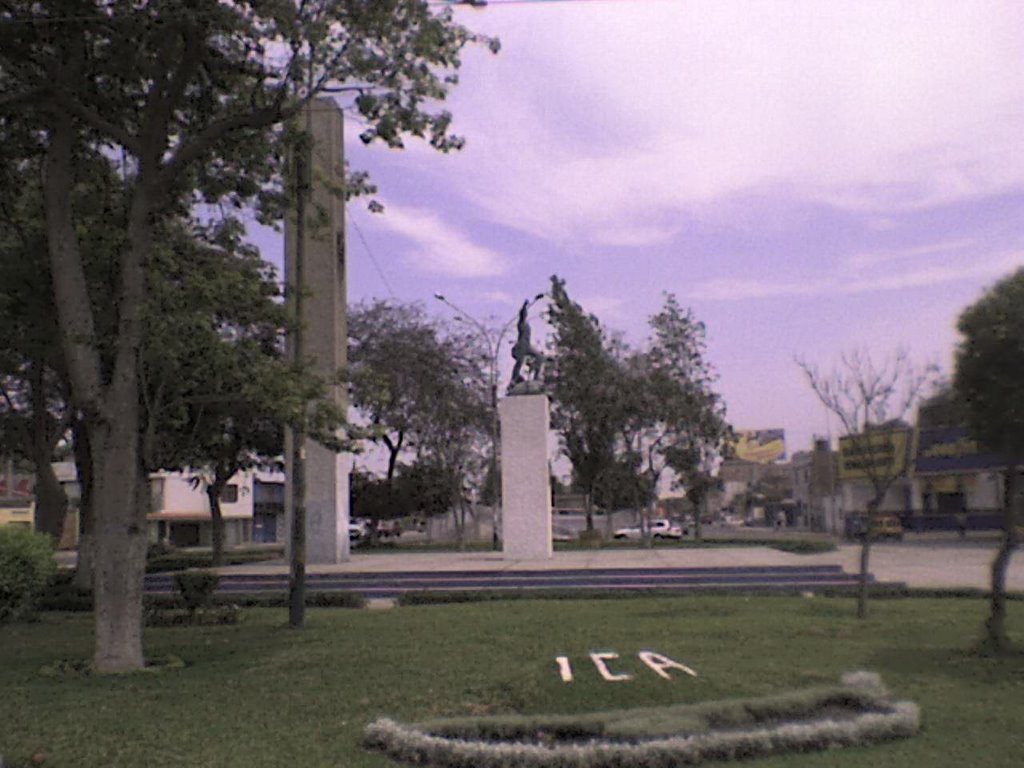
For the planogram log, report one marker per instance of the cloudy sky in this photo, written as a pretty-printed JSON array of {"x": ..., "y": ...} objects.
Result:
[{"x": 809, "y": 177}]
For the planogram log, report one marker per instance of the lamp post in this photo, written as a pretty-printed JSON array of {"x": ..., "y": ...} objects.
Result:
[{"x": 492, "y": 341}]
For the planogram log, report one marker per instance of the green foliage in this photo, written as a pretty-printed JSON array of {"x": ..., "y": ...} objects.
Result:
[
  {"x": 423, "y": 391},
  {"x": 627, "y": 417},
  {"x": 194, "y": 109},
  {"x": 196, "y": 588},
  {"x": 266, "y": 599},
  {"x": 177, "y": 617},
  {"x": 989, "y": 379},
  {"x": 26, "y": 567},
  {"x": 584, "y": 379},
  {"x": 61, "y": 594},
  {"x": 802, "y": 546},
  {"x": 179, "y": 561}
]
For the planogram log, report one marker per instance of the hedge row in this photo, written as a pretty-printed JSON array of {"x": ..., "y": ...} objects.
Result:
[
  {"x": 180, "y": 561},
  {"x": 64, "y": 596}
]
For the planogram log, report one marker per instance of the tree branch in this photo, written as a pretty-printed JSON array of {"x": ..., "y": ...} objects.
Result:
[{"x": 93, "y": 119}]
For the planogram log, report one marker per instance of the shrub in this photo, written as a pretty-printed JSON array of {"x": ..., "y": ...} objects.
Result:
[
  {"x": 268, "y": 599},
  {"x": 179, "y": 617},
  {"x": 803, "y": 546},
  {"x": 158, "y": 549},
  {"x": 196, "y": 588},
  {"x": 175, "y": 560},
  {"x": 61, "y": 594},
  {"x": 26, "y": 567}
]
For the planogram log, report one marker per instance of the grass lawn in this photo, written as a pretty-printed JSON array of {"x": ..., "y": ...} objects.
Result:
[{"x": 258, "y": 694}]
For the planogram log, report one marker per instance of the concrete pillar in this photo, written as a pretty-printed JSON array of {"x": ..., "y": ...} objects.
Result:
[
  {"x": 525, "y": 478},
  {"x": 325, "y": 331}
]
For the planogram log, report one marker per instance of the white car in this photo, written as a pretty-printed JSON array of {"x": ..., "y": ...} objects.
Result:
[
  {"x": 660, "y": 529},
  {"x": 357, "y": 529}
]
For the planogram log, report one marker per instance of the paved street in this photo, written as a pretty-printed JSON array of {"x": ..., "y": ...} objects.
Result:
[{"x": 939, "y": 563}]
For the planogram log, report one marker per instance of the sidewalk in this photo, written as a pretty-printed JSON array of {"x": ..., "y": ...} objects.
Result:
[{"x": 953, "y": 564}]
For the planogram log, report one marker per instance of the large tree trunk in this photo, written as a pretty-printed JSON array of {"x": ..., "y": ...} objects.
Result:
[
  {"x": 213, "y": 492},
  {"x": 119, "y": 545},
  {"x": 995, "y": 626},
  {"x": 109, "y": 403}
]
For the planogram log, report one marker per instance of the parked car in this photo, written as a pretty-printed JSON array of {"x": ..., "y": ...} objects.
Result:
[
  {"x": 882, "y": 527},
  {"x": 357, "y": 529},
  {"x": 559, "y": 533},
  {"x": 660, "y": 529}
]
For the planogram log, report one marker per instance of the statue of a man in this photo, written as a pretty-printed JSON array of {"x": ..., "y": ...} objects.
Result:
[{"x": 523, "y": 351}]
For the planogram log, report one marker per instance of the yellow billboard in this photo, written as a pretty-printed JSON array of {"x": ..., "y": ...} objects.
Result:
[
  {"x": 760, "y": 445},
  {"x": 874, "y": 455}
]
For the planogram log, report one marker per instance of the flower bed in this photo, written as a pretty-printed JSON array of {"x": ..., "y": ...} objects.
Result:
[{"x": 858, "y": 711}]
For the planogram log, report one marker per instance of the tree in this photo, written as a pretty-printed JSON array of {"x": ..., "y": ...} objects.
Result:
[
  {"x": 217, "y": 389},
  {"x": 699, "y": 434},
  {"x": 34, "y": 398},
  {"x": 676, "y": 422},
  {"x": 871, "y": 400},
  {"x": 190, "y": 98},
  {"x": 584, "y": 380},
  {"x": 989, "y": 384},
  {"x": 422, "y": 390},
  {"x": 454, "y": 424},
  {"x": 397, "y": 359}
]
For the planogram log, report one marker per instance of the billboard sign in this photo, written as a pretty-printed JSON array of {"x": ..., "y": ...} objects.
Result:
[
  {"x": 942, "y": 450},
  {"x": 873, "y": 454},
  {"x": 762, "y": 446}
]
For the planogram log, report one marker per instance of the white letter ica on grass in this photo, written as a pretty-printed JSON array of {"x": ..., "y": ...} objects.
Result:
[
  {"x": 564, "y": 668},
  {"x": 660, "y": 663},
  {"x": 602, "y": 668}
]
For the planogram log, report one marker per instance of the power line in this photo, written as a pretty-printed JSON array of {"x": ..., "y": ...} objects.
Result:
[{"x": 373, "y": 258}]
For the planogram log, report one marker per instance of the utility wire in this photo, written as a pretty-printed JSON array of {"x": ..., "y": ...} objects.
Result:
[{"x": 373, "y": 258}]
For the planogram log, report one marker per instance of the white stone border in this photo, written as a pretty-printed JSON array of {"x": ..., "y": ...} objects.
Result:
[{"x": 410, "y": 745}]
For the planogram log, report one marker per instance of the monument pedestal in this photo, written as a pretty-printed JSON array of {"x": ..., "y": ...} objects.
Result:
[{"x": 525, "y": 478}]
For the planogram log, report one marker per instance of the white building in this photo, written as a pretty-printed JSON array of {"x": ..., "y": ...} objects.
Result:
[{"x": 251, "y": 505}]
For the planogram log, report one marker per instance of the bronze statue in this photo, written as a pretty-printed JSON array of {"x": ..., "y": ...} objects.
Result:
[{"x": 524, "y": 353}]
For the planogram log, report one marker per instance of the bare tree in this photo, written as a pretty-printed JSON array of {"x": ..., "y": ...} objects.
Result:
[{"x": 871, "y": 400}]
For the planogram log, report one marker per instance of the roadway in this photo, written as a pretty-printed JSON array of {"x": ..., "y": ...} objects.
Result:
[{"x": 945, "y": 562}]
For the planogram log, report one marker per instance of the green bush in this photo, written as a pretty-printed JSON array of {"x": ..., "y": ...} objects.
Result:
[
  {"x": 803, "y": 546},
  {"x": 196, "y": 588},
  {"x": 269, "y": 599},
  {"x": 180, "y": 617},
  {"x": 61, "y": 594},
  {"x": 26, "y": 567},
  {"x": 175, "y": 560}
]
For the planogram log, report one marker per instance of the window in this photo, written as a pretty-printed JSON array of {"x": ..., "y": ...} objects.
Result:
[{"x": 230, "y": 494}]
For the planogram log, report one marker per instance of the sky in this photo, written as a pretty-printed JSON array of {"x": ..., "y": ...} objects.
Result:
[{"x": 808, "y": 177}]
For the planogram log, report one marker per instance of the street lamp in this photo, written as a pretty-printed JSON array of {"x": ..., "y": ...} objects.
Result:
[{"x": 492, "y": 342}]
